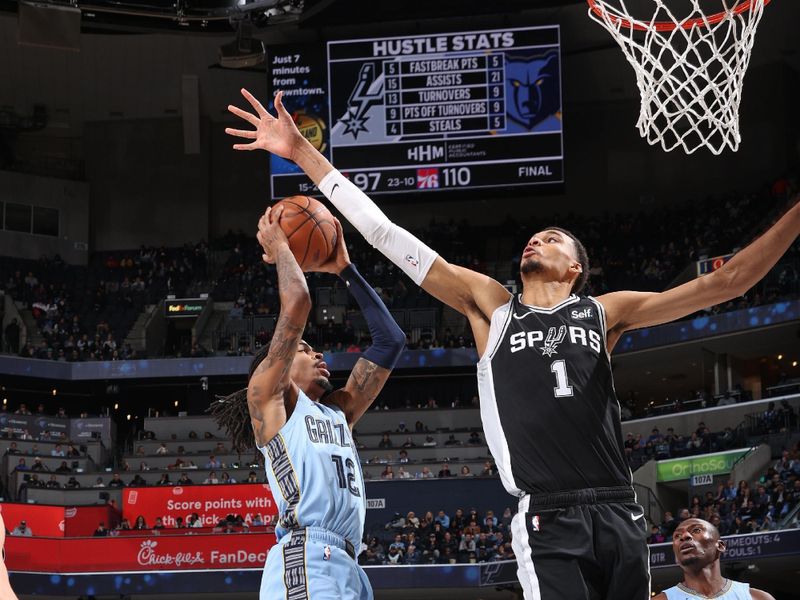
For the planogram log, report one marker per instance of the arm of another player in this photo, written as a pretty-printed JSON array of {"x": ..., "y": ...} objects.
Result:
[
  {"x": 472, "y": 294},
  {"x": 6, "y": 593},
  {"x": 270, "y": 384},
  {"x": 371, "y": 370},
  {"x": 631, "y": 310},
  {"x": 760, "y": 595}
]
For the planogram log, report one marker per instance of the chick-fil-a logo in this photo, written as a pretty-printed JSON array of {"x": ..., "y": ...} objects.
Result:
[{"x": 148, "y": 557}]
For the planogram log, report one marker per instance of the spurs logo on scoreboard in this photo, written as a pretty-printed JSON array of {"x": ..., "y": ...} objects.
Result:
[
  {"x": 367, "y": 93},
  {"x": 427, "y": 178}
]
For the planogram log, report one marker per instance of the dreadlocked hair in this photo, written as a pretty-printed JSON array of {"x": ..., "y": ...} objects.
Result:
[{"x": 232, "y": 414}]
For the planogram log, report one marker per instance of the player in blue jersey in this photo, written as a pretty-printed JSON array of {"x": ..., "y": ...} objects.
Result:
[
  {"x": 306, "y": 436},
  {"x": 698, "y": 549}
]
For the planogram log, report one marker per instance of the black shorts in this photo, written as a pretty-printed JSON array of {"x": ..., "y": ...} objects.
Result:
[{"x": 583, "y": 545}]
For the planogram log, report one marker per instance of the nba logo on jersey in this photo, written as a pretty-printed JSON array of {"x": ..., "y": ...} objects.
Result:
[
  {"x": 427, "y": 178},
  {"x": 326, "y": 554},
  {"x": 535, "y": 522}
]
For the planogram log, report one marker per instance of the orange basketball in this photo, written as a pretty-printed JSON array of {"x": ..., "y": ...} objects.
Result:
[{"x": 310, "y": 228}]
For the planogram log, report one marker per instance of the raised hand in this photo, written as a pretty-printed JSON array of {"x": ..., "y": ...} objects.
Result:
[
  {"x": 277, "y": 135},
  {"x": 340, "y": 258},
  {"x": 270, "y": 235}
]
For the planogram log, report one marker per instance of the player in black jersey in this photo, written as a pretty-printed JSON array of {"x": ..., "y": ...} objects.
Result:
[{"x": 548, "y": 404}]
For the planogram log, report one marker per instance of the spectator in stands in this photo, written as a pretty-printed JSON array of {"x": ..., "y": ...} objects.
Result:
[
  {"x": 22, "y": 530},
  {"x": 402, "y": 456},
  {"x": 99, "y": 483},
  {"x": 159, "y": 523},
  {"x": 101, "y": 530},
  {"x": 161, "y": 450},
  {"x": 385, "y": 442},
  {"x": 213, "y": 463},
  {"x": 63, "y": 467},
  {"x": 465, "y": 472},
  {"x": 22, "y": 465},
  {"x": 655, "y": 537},
  {"x": 212, "y": 478},
  {"x": 258, "y": 520},
  {"x": 72, "y": 484},
  {"x": 726, "y": 400},
  {"x": 412, "y": 555},
  {"x": 138, "y": 481},
  {"x": 61, "y": 413},
  {"x": 402, "y": 473},
  {"x": 225, "y": 478},
  {"x": 445, "y": 471},
  {"x": 57, "y": 451},
  {"x": 179, "y": 523},
  {"x": 252, "y": 477},
  {"x": 475, "y": 439},
  {"x": 12, "y": 448},
  {"x": 668, "y": 525},
  {"x": 140, "y": 451},
  {"x": 72, "y": 451},
  {"x": 443, "y": 520},
  {"x": 22, "y": 410},
  {"x": 140, "y": 524},
  {"x": 425, "y": 474},
  {"x": 116, "y": 482},
  {"x": 488, "y": 469},
  {"x": 123, "y": 525},
  {"x": 419, "y": 427},
  {"x": 184, "y": 480},
  {"x": 38, "y": 465},
  {"x": 409, "y": 443},
  {"x": 53, "y": 483}
]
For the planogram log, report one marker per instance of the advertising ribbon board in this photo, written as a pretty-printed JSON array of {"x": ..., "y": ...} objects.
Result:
[{"x": 719, "y": 463}]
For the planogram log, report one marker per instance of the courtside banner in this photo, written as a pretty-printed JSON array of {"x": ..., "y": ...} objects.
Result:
[
  {"x": 58, "y": 521},
  {"x": 150, "y": 553},
  {"x": 210, "y": 502}
]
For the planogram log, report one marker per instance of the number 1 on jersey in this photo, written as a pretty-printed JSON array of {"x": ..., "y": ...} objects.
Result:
[{"x": 563, "y": 389}]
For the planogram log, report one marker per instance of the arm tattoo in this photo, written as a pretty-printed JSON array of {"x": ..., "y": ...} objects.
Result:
[{"x": 362, "y": 374}]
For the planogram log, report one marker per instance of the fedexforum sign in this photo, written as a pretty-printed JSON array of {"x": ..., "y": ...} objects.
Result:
[{"x": 676, "y": 469}]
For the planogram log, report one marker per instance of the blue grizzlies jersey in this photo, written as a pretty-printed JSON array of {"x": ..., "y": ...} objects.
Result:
[
  {"x": 734, "y": 590},
  {"x": 312, "y": 467}
]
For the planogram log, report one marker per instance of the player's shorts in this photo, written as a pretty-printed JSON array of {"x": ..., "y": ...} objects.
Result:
[
  {"x": 584, "y": 545},
  {"x": 313, "y": 564}
]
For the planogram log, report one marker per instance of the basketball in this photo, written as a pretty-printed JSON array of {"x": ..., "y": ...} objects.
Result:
[{"x": 310, "y": 228}]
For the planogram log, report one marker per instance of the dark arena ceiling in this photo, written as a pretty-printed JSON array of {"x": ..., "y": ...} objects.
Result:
[{"x": 223, "y": 15}]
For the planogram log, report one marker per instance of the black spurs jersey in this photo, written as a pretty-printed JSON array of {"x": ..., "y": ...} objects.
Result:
[{"x": 548, "y": 405}]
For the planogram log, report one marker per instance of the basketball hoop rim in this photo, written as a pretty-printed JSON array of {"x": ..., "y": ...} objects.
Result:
[{"x": 669, "y": 25}]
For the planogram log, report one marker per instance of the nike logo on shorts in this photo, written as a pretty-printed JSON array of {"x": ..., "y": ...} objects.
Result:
[{"x": 636, "y": 517}]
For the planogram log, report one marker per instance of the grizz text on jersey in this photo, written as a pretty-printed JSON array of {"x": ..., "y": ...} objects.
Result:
[{"x": 322, "y": 431}]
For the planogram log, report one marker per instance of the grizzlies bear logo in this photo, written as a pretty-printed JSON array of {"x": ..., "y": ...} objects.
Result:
[{"x": 533, "y": 92}]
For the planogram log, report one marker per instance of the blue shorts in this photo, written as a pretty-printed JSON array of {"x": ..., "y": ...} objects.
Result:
[{"x": 312, "y": 564}]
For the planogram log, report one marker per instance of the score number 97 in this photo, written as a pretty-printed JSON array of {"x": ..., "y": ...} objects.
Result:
[{"x": 367, "y": 182}]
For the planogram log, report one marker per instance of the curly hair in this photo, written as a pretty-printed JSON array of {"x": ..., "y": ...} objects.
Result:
[{"x": 232, "y": 414}]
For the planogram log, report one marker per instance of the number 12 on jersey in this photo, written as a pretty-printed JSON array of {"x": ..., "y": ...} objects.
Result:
[
  {"x": 346, "y": 480},
  {"x": 563, "y": 389}
]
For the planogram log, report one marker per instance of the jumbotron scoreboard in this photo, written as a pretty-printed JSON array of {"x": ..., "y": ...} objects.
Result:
[{"x": 422, "y": 113}]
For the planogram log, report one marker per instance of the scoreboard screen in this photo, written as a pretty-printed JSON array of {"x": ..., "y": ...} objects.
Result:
[{"x": 424, "y": 113}]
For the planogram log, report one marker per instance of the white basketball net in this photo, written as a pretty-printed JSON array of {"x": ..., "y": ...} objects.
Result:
[{"x": 689, "y": 69}]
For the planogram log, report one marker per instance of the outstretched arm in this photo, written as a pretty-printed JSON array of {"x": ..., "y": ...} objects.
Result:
[
  {"x": 472, "y": 294},
  {"x": 371, "y": 370},
  {"x": 631, "y": 310},
  {"x": 270, "y": 385}
]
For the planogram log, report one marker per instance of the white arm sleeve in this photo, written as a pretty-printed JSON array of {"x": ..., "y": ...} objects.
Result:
[{"x": 410, "y": 254}]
